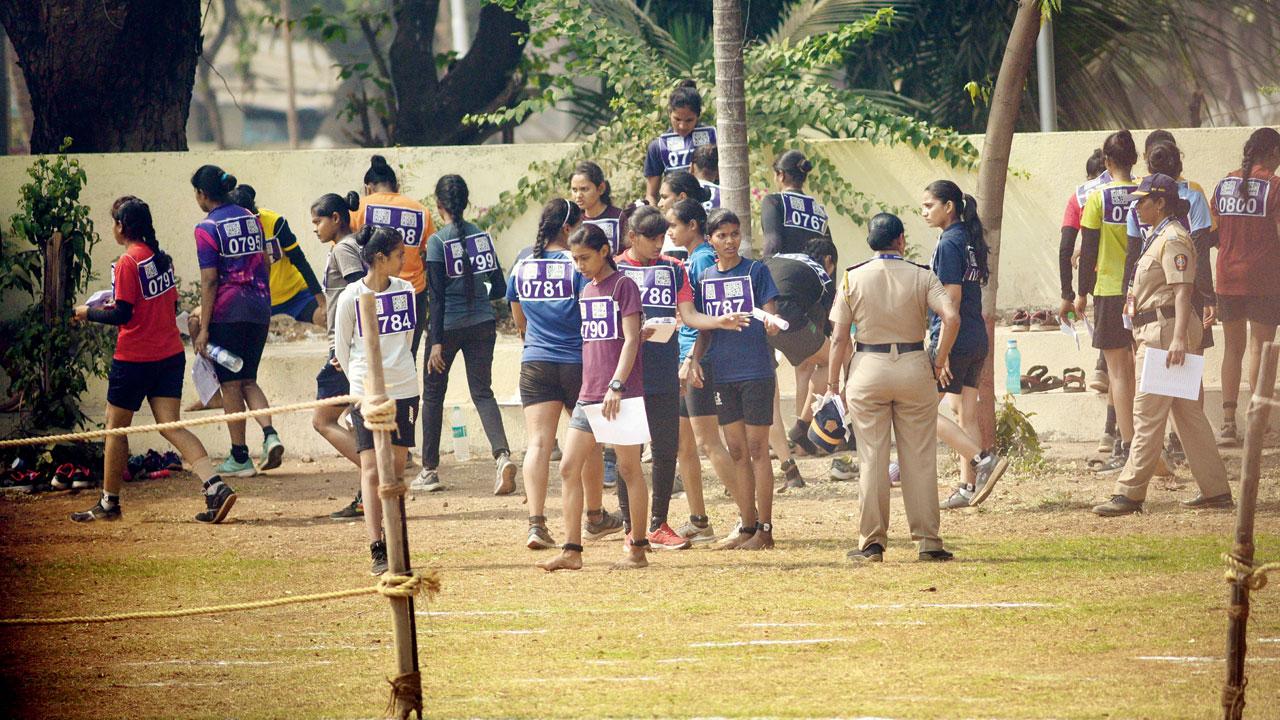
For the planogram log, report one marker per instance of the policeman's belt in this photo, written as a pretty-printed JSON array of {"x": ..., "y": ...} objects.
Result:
[
  {"x": 1146, "y": 317},
  {"x": 889, "y": 347}
]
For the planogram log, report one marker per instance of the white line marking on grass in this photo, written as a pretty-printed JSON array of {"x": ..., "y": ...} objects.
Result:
[
  {"x": 482, "y": 613},
  {"x": 672, "y": 661},
  {"x": 1267, "y": 640},
  {"x": 228, "y": 663},
  {"x": 953, "y": 606},
  {"x": 1193, "y": 659},
  {"x": 639, "y": 678},
  {"x": 741, "y": 643},
  {"x": 778, "y": 624}
]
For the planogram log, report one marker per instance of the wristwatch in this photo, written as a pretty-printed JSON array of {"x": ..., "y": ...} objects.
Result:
[{"x": 617, "y": 386}]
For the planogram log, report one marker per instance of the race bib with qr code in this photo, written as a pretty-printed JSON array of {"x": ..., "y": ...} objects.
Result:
[
  {"x": 239, "y": 236},
  {"x": 599, "y": 318},
  {"x": 542, "y": 280},
  {"x": 657, "y": 285},
  {"x": 479, "y": 249},
  {"x": 727, "y": 295},
  {"x": 407, "y": 221},
  {"x": 396, "y": 313}
]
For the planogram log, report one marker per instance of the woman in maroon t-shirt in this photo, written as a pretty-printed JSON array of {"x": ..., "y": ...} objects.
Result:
[
  {"x": 148, "y": 362},
  {"x": 611, "y": 372}
]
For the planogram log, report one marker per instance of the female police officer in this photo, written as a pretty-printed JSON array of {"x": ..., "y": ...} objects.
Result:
[
  {"x": 1158, "y": 304},
  {"x": 891, "y": 384}
]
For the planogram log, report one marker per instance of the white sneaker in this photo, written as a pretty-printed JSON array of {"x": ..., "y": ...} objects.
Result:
[
  {"x": 504, "y": 482},
  {"x": 426, "y": 481}
]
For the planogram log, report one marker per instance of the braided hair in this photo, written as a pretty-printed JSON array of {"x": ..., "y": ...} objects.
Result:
[
  {"x": 134, "y": 217},
  {"x": 557, "y": 214},
  {"x": 1263, "y": 142},
  {"x": 453, "y": 196}
]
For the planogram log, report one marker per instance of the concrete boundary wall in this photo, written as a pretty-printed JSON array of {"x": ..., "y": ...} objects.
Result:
[{"x": 1047, "y": 168}]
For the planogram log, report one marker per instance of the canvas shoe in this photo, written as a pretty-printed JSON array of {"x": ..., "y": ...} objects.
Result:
[
  {"x": 272, "y": 452},
  {"x": 231, "y": 468},
  {"x": 427, "y": 481}
]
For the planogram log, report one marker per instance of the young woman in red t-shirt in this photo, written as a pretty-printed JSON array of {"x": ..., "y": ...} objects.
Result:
[{"x": 149, "y": 361}]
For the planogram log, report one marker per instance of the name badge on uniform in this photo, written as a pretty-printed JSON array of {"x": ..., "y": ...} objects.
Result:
[
  {"x": 543, "y": 280},
  {"x": 406, "y": 221},
  {"x": 599, "y": 318},
  {"x": 657, "y": 285},
  {"x": 727, "y": 295},
  {"x": 154, "y": 283},
  {"x": 239, "y": 236},
  {"x": 396, "y": 313},
  {"x": 479, "y": 248},
  {"x": 803, "y": 213},
  {"x": 1253, "y": 204},
  {"x": 1115, "y": 211},
  {"x": 610, "y": 228}
]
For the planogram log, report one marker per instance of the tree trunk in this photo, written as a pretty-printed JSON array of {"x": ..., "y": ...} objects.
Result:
[
  {"x": 992, "y": 174},
  {"x": 731, "y": 113},
  {"x": 4, "y": 95},
  {"x": 204, "y": 71},
  {"x": 113, "y": 75},
  {"x": 429, "y": 108}
]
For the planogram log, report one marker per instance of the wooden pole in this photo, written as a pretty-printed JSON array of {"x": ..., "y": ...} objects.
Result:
[
  {"x": 1238, "y": 612},
  {"x": 393, "y": 521}
]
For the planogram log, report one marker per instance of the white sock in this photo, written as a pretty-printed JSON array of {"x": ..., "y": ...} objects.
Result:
[{"x": 109, "y": 500}]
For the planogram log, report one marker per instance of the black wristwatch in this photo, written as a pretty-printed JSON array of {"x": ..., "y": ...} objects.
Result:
[{"x": 617, "y": 386}]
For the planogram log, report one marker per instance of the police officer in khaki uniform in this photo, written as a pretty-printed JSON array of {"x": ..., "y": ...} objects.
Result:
[
  {"x": 1159, "y": 305},
  {"x": 891, "y": 385}
]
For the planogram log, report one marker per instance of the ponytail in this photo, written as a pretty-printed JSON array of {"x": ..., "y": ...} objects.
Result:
[
  {"x": 1119, "y": 149},
  {"x": 557, "y": 214},
  {"x": 135, "y": 221},
  {"x": 966, "y": 209},
  {"x": 1263, "y": 142},
  {"x": 213, "y": 182},
  {"x": 374, "y": 240},
  {"x": 244, "y": 196},
  {"x": 334, "y": 204}
]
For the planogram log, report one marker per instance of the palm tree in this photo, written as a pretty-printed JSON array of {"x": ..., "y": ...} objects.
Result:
[{"x": 731, "y": 113}]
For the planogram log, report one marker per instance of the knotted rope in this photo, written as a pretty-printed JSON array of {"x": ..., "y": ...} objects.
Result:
[
  {"x": 397, "y": 586},
  {"x": 1253, "y": 577}
]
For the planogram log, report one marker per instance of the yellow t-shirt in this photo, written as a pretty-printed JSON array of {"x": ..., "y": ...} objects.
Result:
[
  {"x": 1106, "y": 211},
  {"x": 410, "y": 218},
  {"x": 285, "y": 280}
]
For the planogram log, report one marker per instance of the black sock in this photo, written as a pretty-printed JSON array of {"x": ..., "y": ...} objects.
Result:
[
  {"x": 268, "y": 430},
  {"x": 1110, "y": 428},
  {"x": 655, "y": 523},
  {"x": 240, "y": 453},
  {"x": 699, "y": 520}
]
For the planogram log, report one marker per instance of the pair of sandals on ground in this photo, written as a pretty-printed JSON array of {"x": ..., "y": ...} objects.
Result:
[{"x": 1038, "y": 379}]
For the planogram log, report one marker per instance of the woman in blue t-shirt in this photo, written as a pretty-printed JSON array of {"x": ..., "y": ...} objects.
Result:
[
  {"x": 460, "y": 261},
  {"x": 673, "y": 150},
  {"x": 960, "y": 262}
]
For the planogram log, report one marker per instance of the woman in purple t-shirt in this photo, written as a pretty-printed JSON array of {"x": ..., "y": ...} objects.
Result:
[{"x": 611, "y": 372}]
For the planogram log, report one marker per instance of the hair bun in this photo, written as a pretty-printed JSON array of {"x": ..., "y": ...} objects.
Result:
[
  {"x": 378, "y": 160},
  {"x": 806, "y": 166},
  {"x": 364, "y": 234},
  {"x": 353, "y": 200},
  {"x": 688, "y": 83},
  {"x": 228, "y": 182}
]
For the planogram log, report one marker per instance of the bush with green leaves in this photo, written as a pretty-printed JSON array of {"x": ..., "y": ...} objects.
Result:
[
  {"x": 791, "y": 99},
  {"x": 48, "y": 363}
]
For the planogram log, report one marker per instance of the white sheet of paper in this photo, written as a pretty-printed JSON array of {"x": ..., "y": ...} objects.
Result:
[
  {"x": 1069, "y": 330},
  {"x": 1088, "y": 325},
  {"x": 663, "y": 329},
  {"x": 630, "y": 427},
  {"x": 182, "y": 319},
  {"x": 769, "y": 318},
  {"x": 205, "y": 378},
  {"x": 100, "y": 298},
  {"x": 1179, "y": 381}
]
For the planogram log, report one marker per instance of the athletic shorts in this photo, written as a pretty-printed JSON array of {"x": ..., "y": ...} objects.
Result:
[
  {"x": 965, "y": 371},
  {"x": 406, "y": 416},
  {"x": 700, "y": 402},
  {"x": 244, "y": 339},
  {"x": 750, "y": 401},
  {"x": 129, "y": 383},
  {"x": 542, "y": 382},
  {"x": 331, "y": 382},
  {"x": 1109, "y": 332},
  {"x": 1261, "y": 309},
  {"x": 799, "y": 344},
  {"x": 300, "y": 307}
]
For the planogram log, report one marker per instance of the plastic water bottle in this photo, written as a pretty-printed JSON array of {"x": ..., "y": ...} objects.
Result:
[
  {"x": 1013, "y": 369},
  {"x": 225, "y": 357},
  {"x": 461, "y": 450}
]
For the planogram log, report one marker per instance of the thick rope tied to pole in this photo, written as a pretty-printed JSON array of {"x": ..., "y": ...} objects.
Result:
[
  {"x": 1253, "y": 577},
  {"x": 406, "y": 695},
  {"x": 189, "y": 422},
  {"x": 379, "y": 413},
  {"x": 401, "y": 586}
]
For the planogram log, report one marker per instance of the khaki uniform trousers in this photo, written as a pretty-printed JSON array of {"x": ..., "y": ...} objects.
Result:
[
  {"x": 1150, "y": 413},
  {"x": 891, "y": 391}
]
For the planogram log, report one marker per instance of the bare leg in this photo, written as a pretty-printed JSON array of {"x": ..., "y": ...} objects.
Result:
[
  {"x": 578, "y": 447},
  {"x": 638, "y": 505},
  {"x": 189, "y": 446},
  {"x": 962, "y": 436},
  {"x": 233, "y": 402},
  {"x": 1235, "y": 341},
  {"x": 325, "y": 422},
  {"x": 1121, "y": 373},
  {"x": 256, "y": 400},
  {"x": 1259, "y": 335},
  {"x": 743, "y": 489},
  {"x": 706, "y": 433},
  {"x": 116, "y": 452},
  {"x": 758, "y": 450},
  {"x": 540, "y": 429},
  {"x": 809, "y": 375},
  {"x": 691, "y": 469},
  {"x": 778, "y": 431},
  {"x": 369, "y": 487}
]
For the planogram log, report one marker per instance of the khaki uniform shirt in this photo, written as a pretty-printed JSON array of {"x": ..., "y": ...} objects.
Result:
[
  {"x": 889, "y": 299},
  {"x": 1170, "y": 259}
]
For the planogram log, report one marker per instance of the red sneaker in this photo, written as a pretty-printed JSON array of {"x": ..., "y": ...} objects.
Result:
[{"x": 664, "y": 538}]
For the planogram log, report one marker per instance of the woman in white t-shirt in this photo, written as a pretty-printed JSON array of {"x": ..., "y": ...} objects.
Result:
[{"x": 383, "y": 251}]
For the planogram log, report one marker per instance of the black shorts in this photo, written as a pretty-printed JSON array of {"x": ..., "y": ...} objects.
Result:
[
  {"x": 1109, "y": 332},
  {"x": 750, "y": 401},
  {"x": 801, "y": 343},
  {"x": 542, "y": 382},
  {"x": 1261, "y": 309},
  {"x": 965, "y": 371},
  {"x": 406, "y": 416},
  {"x": 244, "y": 339},
  {"x": 129, "y": 383},
  {"x": 700, "y": 402},
  {"x": 331, "y": 382}
]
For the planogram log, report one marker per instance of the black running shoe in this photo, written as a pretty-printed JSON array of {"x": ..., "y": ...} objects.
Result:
[
  {"x": 350, "y": 512},
  {"x": 378, "y": 552},
  {"x": 97, "y": 512},
  {"x": 218, "y": 504}
]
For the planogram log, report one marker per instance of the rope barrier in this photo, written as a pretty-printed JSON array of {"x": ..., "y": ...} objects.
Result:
[
  {"x": 397, "y": 586},
  {"x": 1253, "y": 577},
  {"x": 191, "y": 422}
]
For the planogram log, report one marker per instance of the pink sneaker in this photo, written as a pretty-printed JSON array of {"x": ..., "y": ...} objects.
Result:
[{"x": 664, "y": 538}]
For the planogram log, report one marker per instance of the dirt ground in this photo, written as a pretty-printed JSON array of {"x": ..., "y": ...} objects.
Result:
[{"x": 1048, "y": 612}]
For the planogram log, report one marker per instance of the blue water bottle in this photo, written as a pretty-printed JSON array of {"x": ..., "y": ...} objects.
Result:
[{"x": 1013, "y": 369}]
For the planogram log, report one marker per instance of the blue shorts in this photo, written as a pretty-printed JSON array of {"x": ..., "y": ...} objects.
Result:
[
  {"x": 300, "y": 307},
  {"x": 331, "y": 382}
]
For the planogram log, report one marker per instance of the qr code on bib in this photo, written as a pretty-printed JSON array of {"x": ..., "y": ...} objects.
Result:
[
  {"x": 701, "y": 137},
  {"x": 555, "y": 272},
  {"x": 400, "y": 303},
  {"x": 149, "y": 269},
  {"x": 599, "y": 310},
  {"x": 408, "y": 220},
  {"x": 530, "y": 271},
  {"x": 710, "y": 292},
  {"x": 733, "y": 290},
  {"x": 482, "y": 244},
  {"x": 233, "y": 229},
  {"x": 637, "y": 277},
  {"x": 663, "y": 279},
  {"x": 382, "y": 216}
]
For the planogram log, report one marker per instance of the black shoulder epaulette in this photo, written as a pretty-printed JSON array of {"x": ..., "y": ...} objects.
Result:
[
  {"x": 923, "y": 267},
  {"x": 855, "y": 267}
]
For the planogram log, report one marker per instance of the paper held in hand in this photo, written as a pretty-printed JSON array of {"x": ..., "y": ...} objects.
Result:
[
  {"x": 629, "y": 427},
  {"x": 663, "y": 328},
  {"x": 769, "y": 318},
  {"x": 205, "y": 378},
  {"x": 1179, "y": 381}
]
